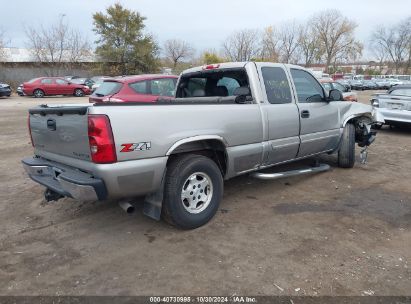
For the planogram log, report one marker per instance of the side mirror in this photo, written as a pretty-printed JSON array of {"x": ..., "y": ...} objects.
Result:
[{"x": 335, "y": 95}]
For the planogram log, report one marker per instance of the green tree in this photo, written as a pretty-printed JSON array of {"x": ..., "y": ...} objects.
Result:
[
  {"x": 210, "y": 57},
  {"x": 122, "y": 43}
]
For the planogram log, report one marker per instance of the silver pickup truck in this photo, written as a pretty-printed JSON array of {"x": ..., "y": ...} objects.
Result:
[{"x": 226, "y": 120}]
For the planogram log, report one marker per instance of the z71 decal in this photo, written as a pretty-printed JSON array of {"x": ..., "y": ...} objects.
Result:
[{"x": 141, "y": 146}]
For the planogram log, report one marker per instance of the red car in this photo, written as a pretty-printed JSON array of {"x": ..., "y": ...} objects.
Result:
[
  {"x": 40, "y": 87},
  {"x": 140, "y": 88}
]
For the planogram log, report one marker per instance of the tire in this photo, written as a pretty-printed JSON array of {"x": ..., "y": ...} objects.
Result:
[
  {"x": 78, "y": 93},
  {"x": 37, "y": 93},
  {"x": 346, "y": 153},
  {"x": 197, "y": 173}
]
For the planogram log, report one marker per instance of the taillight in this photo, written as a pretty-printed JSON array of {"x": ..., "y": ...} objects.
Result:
[
  {"x": 101, "y": 141},
  {"x": 29, "y": 127}
]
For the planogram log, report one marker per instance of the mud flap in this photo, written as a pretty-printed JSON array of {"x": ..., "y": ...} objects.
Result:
[{"x": 153, "y": 203}]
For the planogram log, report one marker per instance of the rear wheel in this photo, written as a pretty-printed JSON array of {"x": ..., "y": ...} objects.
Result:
[
  {"x": 38, "y": 93},
  {"x": 193, "y": 191},
  {"x": 346, "y": 153},
  {"x": 78, "y": 93}
]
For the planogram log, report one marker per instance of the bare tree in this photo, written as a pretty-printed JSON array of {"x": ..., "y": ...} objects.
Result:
[
  {"x": 288, "y": 37},
  {"x": 379, "y": 53},
  {"x": 177, "y": 50},
  {"x": 3, "y": 44},
  {"x": 270, "y": 45},
  {"x": 336, "y": 34},
  {"x": 309, "y": 44},
  {"x": 60, "y": 46},
  {"x": 242, "y": 45}
]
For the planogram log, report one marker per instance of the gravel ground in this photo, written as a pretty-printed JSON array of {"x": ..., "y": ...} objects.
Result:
[{"x": 342, "y": 232}]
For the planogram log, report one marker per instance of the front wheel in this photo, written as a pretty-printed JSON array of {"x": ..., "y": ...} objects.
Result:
[
  {"x": 346, "y": 153},
  {"x": 78, "y": 93},
  {"x": 38, "y": 93},
  {"x": 193, "y": 191}
]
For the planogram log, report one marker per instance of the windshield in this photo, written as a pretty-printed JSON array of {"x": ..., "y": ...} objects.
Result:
[{"x": 32, "y": 80}]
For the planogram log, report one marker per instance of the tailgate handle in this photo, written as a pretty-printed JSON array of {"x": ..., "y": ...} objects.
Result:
[{"x": 51, "y": 124}]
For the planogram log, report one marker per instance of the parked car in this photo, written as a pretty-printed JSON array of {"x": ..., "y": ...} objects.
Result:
[
  {"x": 356, "y": 84},
  {"x": 345, "y": 83},
  {"x": 369, "y": 85},
  {"x": 395, "y": 105},
  {"x": 19, "y": 90},
  {"x": 84, "y": 81},
  {"x": 382, "y": 83},
  {"x": 227, "y": 119},
  {"x": 5, "y": 90},
  {"x": 394, "y": 82},
  {"x": 39, "y": 87},
  {"x": 143, "y": 88},
  {"x": 347, "y": 93}
]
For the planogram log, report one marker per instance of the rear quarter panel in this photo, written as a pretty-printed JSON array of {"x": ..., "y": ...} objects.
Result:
[{"x": 164, "y": 125}]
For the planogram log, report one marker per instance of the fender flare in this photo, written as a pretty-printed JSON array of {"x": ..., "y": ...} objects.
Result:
[
  {"x": 348, "y": 118},
  {"x": 193, "y": 139}
]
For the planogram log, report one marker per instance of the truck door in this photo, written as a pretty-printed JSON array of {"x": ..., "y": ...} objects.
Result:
[
  {"x": 280, "y": 113},
  {"x": 319, "y": 118}
]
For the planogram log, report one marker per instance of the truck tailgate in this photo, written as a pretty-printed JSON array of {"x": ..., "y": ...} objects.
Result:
[{"x": 61, "y": 130}]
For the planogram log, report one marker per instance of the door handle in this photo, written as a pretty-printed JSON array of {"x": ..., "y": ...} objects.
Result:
[{"x": 305, "y": 114}]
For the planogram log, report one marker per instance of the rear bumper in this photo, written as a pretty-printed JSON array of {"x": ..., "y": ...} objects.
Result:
[
  {"x": 396, "y": 115},
  {"x": 65, "y": 180}
]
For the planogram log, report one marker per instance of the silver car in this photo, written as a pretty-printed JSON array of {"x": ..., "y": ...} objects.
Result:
[{"x": 395, "y": 105}]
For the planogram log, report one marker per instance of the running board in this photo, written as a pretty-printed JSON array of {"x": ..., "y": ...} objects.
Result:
[{"x": 307, "y": 170}]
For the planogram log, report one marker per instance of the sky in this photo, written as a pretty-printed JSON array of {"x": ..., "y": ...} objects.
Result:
[{"x": 205, "y": 24}]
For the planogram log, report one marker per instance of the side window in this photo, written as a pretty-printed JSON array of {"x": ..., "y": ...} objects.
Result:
[
  {"x": 276, "y": 85},
  {"x": 47, "y": 81},
  {"x": 308, "y": 88},
  {"x": 163, "y": 87},
  {"x": 229, "y": 83},
  {"x": 61, "y": 81},
  {"x": 139, "y": 87}
]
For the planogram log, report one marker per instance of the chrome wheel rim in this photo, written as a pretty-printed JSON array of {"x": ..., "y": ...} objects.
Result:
[
  {"x": 79, "y": 93},
  {"x": 38, "y": 93},
  {"x": 197, "y": 192}
]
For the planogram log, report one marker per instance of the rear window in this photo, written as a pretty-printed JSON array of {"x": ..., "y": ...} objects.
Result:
[
  {"x": 214, "y": 83},
  {"x": 108, "y": 88}
]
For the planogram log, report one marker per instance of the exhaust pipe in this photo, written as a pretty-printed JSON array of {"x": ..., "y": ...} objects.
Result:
[
  {"x": 50, "y": 195},
  {"x": 126, "y": 206}
]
